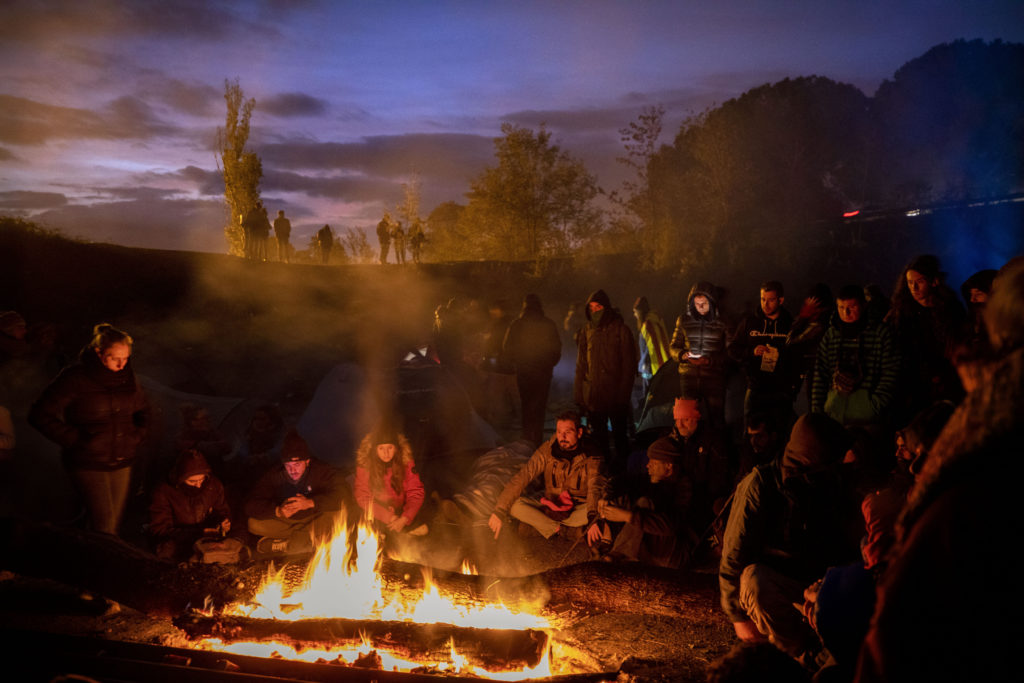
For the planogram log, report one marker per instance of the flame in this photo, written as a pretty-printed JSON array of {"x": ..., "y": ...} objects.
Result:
[{"x": 351, "y": 588}]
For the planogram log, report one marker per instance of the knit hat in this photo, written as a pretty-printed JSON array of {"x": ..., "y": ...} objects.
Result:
[
  {"x": 662, "y": 450},
  {"x": 685, "y": 408},
  {"x": 816, "y": 442},
  {"x": 294, "y": 447}
]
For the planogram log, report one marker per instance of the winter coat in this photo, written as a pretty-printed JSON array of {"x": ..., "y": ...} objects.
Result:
[
  {"x": 578, "y": 472},
  {"x": 871, "y": 357},
  {"x": 321, "y": 482},
  {"x": 532, "y": 344},
  {"x": 385, "y": 501},
  {"x": 667, "y": 536},
  {"x": 177, "y": 506},
  {"x": 97, "y": 416},
  {"x": 606, "y": 360},
  {"x": 757, "y": 329},
  {"x": 799, "y": 525},
  {"x": 701, "y": 336},
  {"x": 950, "y": 595}
]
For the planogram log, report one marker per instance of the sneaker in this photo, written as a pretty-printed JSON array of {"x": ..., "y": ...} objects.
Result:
[{"x": 267, "y": 545}]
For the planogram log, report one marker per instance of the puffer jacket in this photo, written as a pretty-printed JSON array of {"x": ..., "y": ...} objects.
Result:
[
  {"x": 96, "y": 415},
  {"x": 177, "y": 506},
  {"x": 703, "y": 336},
  {"x": 606, "y": 360},
  {"x": 578, "y": 472}
]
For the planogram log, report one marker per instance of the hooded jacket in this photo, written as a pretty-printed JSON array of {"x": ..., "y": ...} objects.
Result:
[
  {"x": 176, "y": 506},
  {"x": 795, "y": 515},
  {"x": 385, "y": 499},
  {"x": 97, "y": 416},
  {"x": 321, "y": 482},
  {"x": 703, "y": 336},
  {"x": 606, "y": 359}
]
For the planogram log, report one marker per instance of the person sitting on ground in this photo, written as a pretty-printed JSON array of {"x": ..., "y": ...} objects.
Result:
[
  {"x": 655, "y": 527},
  {"x": 790, "y": 520},
  {"x": 188, "y": 506},
  {"x": 387, "y": 488},
  {"x": 571, "y": 468},
  {"x": 294, "y": 505}
]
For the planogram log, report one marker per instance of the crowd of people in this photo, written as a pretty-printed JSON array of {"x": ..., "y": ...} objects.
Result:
[{"x": 866, "y": 538}]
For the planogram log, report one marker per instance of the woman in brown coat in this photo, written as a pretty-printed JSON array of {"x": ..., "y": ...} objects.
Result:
[{"x": 96, "y": 412}]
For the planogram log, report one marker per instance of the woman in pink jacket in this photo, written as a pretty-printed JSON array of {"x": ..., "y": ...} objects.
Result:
[{"x": 387, "y": 487}]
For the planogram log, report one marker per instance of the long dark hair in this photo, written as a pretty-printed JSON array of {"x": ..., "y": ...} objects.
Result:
[{"x": 366, "y": 457}]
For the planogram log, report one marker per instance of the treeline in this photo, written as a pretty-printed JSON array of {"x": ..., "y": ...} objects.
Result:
[{"x": 763, "y": 170}]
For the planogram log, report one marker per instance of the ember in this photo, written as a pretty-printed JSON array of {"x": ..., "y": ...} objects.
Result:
[{"x": 340, "y": 610}]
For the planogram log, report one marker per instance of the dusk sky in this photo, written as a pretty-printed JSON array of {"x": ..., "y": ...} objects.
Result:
[{"x": 109, "y": 109}]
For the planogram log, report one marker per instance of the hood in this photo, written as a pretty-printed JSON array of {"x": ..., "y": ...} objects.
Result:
[
  {"x": 816, "y": 443},
  {"x": 600, "y": 297},
  {"x": 190, "y": 463},
  {"x": 707, "y": 289}
]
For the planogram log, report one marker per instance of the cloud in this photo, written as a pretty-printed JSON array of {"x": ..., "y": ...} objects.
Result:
[
  {"x": 293, "y": 104},
  {"x": 27, "y": 122},
  {"x": 350, "y": 188},
  {"x": 27, "y": 20},
  {"x": 444, "y": 156},
  {"x": 24, "y": 200},
  {"x": 196, "y": 99},
  {"x": 195, "y": 225}
]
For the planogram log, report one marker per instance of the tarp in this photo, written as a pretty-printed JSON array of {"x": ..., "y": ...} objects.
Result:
[{"x": 657, "y": 411}]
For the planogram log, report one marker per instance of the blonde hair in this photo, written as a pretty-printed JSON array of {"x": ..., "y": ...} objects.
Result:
[
  {"x": 106, "y": 335},
  {"x": 366, "y": 457}
]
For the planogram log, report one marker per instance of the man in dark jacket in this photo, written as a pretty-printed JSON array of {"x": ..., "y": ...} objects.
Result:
[
  {"x": 283, "y": 231},
  {"x": 293, "y": 506},
  {"x": 606, "y": 362},
  {"x": 789, "y": 522},
  {"x": 759, "y": 345},
  {"x": 699, "y": 346},
  {"x": 533, "y": 347},
  {"x": 192, "y": 504}
]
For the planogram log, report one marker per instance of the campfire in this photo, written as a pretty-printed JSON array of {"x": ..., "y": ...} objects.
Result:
[{"x": 341, "y": 609}]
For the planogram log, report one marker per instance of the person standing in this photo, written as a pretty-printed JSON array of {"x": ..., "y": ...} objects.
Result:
[
  {"x": 384, "y": 236},
  {"x": 398, "y": 238},
  {"x": 606, "y": 361},
  {"x": 699, "y": 344},
  {"x": 283, "y": 231},
  {"x": 759, "y": 345},
  {"x": 654, "y": 344},
  {"x": 97, "y": 412},
  {"x": 416, "y": 239},
  {"x": 533, "y": 347},
  {"x": 325, "y": 240}
]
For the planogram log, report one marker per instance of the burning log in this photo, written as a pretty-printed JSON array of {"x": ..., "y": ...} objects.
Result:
[
  {"x": 492, "y": 649},
  {"x": 118, "y": 571},
  {"x": 596, "y": 586}
]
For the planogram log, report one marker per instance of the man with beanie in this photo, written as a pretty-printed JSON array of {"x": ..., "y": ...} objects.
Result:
[
  {"x": 533, "y": 347},
  {"x": 790, "y": 520},
  {"x": 655, "y": 527},
  {"x": 293, "y": 506},
  {"x": 606, "y": 361},
  {"x": 573, "y": 484}
]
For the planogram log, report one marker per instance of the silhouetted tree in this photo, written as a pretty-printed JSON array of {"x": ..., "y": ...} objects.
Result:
[
  {"x": 355, "y": 245},
  {"x": 242, "y": 169},
  {"x": 633, "y": 225},
  {"x": 444, "y": 241},
  {"x": 535, "y": 202},
  {"x": 951, "y": 123}
]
